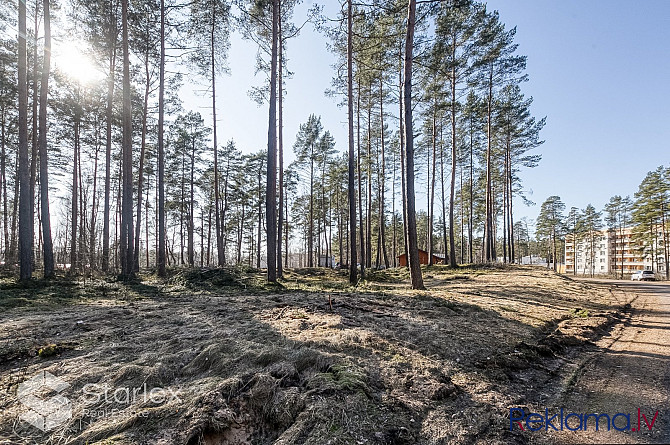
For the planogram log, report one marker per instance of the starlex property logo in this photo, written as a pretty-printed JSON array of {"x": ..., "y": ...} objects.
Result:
[
  {"x": 44, "y": 414},
  {"x": 519, "y": 419}
]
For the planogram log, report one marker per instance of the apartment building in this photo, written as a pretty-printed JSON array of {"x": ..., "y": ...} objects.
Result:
[{"x": 610, "y": 250}]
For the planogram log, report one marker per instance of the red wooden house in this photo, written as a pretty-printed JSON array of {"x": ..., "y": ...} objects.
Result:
[{"x": 423, "y": 258}]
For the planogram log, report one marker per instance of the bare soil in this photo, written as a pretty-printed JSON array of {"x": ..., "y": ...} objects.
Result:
[
  {"x": 627, "y": 370},
  {"x": 310, "y": 361}
]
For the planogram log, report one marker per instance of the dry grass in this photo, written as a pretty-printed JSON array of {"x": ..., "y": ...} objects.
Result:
[{"x": 312, "y": 361}]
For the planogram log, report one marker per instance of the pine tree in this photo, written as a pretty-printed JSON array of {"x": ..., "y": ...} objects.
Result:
[
  {"x": 25, "y": 204},
  {"x": 591, "y": 222},
  {"x": 650, "y": 216},
  {"x": 520, "y": 133},
  {"x": 306, "y": 149},
  {"x": 126, "y": 243},
  {"x": 209, "y": 29},
  {"x": 550, "y": 223},
  {"x": 353, "y": 268},
  {"x": 617, "y": 218},
  {"x": 457, "y": 26},
  {"x": 410, "y": 217},
  {"x": 497, "y": 66},
  {"x": 47, "y": 244}
]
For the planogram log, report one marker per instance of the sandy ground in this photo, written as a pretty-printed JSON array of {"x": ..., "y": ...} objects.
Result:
[
  {"x": 316, "y": 361},
  {"x": 629, "y": 370}
]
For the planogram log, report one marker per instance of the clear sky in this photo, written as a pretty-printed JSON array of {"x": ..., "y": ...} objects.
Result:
[{"x": 599, "y": 71}]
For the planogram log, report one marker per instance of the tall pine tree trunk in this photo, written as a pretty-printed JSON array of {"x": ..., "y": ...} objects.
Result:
[
  {"x": 353, "y": 268},
  {"x": 47, "y": 243},
  {"x": 191, "y": 209},
  {"x": 161, "y": 256},
  {"x": 94, "y": 210},
  {"x": 140, "y": 174},
  {"x": 382, "y": 183},
  {"x": 225, "y": 208},
  {"x": 280, "y": 130},
  {"x": 445, "y": 239},
  {"x": 3, "y": 175},
  {"x": 217, "y": 216},
  {"x": 33, "y": 154},
  {"x": 454, "y": 154},
  {"x": 489, "y": 240},
  {"x": 358, "y": 165},
  {"x": 472, "y": 195},
  {"x": 431, "y": 195},
  {"x": 25, "y": 213},
  {"x": 401, "y": 131},
  {"x": 260, "y": 216},
  {"x": 75, "y": 197},
  {"x": 108, "y": 141},
  {"x": 271, "y": 191},
  {"x": 368, "y": 201},
  {"x": 126, "y": 237},
  {"x": 412, "y": 245}
]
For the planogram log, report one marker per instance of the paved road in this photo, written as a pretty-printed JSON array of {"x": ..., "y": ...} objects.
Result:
[{"x": 630, "y": 371}]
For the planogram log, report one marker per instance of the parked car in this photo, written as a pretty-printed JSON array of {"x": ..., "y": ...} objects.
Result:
[{"x": 643, "y": 275}]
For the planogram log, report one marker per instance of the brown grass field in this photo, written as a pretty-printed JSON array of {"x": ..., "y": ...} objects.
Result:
[{"x": 310, "y": 361}]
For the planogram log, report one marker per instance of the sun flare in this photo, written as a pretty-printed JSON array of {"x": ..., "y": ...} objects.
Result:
[{"x": 71, "y": 59}]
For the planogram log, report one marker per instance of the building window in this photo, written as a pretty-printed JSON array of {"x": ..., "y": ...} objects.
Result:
[{"x": 602, "y": 267}]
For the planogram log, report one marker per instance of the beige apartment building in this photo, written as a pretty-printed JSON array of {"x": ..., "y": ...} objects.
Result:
[{"x": 611, "y": 249}]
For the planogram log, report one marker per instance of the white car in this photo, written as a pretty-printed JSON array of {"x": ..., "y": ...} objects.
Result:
[{"x": 643, "y": 275}]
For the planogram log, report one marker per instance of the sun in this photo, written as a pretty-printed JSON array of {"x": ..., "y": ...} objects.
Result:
[{"x": 71, "y": 59}]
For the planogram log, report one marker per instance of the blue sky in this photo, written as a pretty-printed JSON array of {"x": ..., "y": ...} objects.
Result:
[{"x": 599, "y": 72}]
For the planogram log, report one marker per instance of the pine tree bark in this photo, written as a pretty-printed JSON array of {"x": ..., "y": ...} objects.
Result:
[
  {"x": 140, "y": 173},
  {"x": 126, "y": 236},
  {"x": 472, "y": 195},
  {"x": 3, "y": 177},
  {"x": 280, "y": 130},
  {"x": 412, "y": 247},
  {"x": 310, "y": 231},
  {"x": 75, "y": 197},
  {"x": 431, "y": 193},
  {"x": 382, "y": 182},
  {"x": 25, "y": 213},
  {"x": 454, "y": 157},
  {"x": 13, "y": 246},
  {"x": 259, "y": 225},
  {"x": 489, "y": 248},
  {"x": 225, "y": 207},
  {"x": 94, "y": 203},
  {"x": 191, "y": 208},
  {"x": 445, "y": 239},
  {"x": 368, "y": 200},
  {"x": 161, "y": 254},
  {"x": 360, "y": 179},
  {"x": 34, "y": 142},
  {"x": 108, "y": 141},
  {"x": 351, "y": 194},
  {"x": 217, "y": 213},
  {"x": 402, "y": 152},
  {"x": 47, "y": 243},
  {"x": 271, "y": 191}
]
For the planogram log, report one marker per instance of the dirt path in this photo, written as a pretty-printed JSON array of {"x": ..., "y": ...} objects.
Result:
[{"x": 630, "y": 370}]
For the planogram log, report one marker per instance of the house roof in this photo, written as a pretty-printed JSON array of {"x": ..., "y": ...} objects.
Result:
[{"x": 436, "y": 255}]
